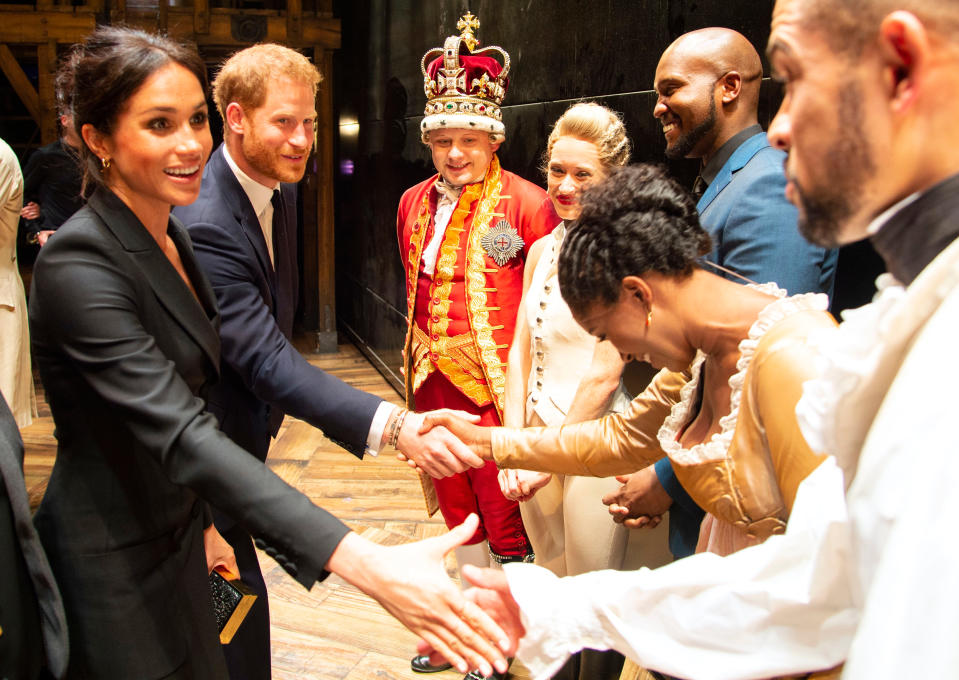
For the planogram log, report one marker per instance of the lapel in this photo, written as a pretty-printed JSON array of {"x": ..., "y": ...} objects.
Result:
[
  {"x": 736, "y": 162},
  {"x": 226, "y": 182},
  {"x": 166, "y": 283}
]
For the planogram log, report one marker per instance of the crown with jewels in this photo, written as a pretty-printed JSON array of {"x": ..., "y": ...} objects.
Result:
[{"x": 464, "y": 90}]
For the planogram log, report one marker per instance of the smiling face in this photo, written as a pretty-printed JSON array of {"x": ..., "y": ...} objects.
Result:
[
  {"x": 661, "y": 343},
  {"x": 276, "y": 136},
  {"x": 824, "y": 125},
  {"x": 461, "y": 156},
  {"x": 574, "y": 165},
  {"x": 686, "y": 103},
  {"x": 159, "y": 144}
]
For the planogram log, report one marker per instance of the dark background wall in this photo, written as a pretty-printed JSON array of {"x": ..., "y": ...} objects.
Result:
[{"x": 561, "y": 51}]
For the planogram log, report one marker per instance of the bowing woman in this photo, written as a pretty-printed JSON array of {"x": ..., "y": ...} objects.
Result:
[{"x": 125, "y": 332}]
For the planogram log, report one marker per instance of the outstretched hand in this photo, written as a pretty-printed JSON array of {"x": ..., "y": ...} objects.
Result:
[
  {"x": 411, "y": 583},
  {"x": 640, "y": 502},
  {"x": 491, "y": 593},
  {"x": 436, "y": 451}
]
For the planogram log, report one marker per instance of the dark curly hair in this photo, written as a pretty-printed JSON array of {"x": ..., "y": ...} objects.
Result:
[
  {"x": 637, "y": 220},
  {"x": 105, "y": 70}
]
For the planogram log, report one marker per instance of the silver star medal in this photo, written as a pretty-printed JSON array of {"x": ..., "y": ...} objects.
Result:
[{"x": 502, "y": 242}]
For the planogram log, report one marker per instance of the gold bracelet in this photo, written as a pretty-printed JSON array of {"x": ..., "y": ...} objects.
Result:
[{"x": 395, "y": 435}]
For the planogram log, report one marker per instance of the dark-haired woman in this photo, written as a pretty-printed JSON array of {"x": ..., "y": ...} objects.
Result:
[
  {"x": 733, "y": 362},
  {"x": 124, "y": 331}
]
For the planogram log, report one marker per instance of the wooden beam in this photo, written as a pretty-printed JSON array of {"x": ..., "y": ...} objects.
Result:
[
  {"x": 47, "y": 73},
  {"x": 40, "y": 27},
  {"x": 322, "y": 32},
  {"x": 294, "y": 19},
  {"x": 20, "y": 82},
  {"x": 201, "y": 16},
  {"x": 163, "y": 16},
  {"x": 326, "y": 255}
]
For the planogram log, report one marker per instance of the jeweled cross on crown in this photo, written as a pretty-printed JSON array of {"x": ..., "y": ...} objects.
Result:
[{"x": 468, "y": 24}]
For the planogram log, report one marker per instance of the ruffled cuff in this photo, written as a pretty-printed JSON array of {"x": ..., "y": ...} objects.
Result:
[{"x": 560, "y": 616}]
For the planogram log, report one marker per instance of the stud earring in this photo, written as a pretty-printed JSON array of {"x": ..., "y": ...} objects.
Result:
[
  {"x": 105, "y": 163},
  {"x": 649, "y": 317}
]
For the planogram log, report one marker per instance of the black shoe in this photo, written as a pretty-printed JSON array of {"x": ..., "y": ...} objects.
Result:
[
  {"x": 421, "y": 664},
  {"x": 475, "y": 675}
]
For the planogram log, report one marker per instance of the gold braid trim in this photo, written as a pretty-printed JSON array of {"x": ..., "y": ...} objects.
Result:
[
  {"x": 473, "y": 387},
  {"x": 476, "y": 287},
  {"x": 412, "y": 276}
]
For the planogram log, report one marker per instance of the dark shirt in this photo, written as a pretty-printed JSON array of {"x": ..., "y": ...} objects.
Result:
[
  {"x": 715, "y": 164},
  {"x": 917, "y": 233},
  {"x": 52, "y": 178}
]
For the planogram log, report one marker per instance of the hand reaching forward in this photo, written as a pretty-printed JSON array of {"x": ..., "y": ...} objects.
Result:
[
  {"x": 522, "y": 485},
  {"x": 436, "y": 451},
  {"x": 641, "y": 500},
  {"x": 491, "y": 593},
  {"x": 411, "y": 583}
]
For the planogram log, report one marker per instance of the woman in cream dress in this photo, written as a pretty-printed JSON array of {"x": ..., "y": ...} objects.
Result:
[
  {"x": 16, "y": 380},
  {"x": 558, "y": 374}
]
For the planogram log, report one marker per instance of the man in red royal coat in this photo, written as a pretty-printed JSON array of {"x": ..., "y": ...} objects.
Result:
[{"x": 463, "y": 237}]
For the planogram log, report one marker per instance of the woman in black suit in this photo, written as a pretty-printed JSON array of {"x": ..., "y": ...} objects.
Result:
[{"x": 124, "y": 328}]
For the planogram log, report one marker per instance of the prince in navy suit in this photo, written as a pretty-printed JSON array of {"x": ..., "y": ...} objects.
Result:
[{"x": 243, "y": 227}]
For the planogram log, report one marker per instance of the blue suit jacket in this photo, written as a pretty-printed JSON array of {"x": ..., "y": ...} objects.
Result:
[
  {"x": 753, "y": 226},
  {"x": 755, "y": 234},
  {"x": 262, "y": 375}
]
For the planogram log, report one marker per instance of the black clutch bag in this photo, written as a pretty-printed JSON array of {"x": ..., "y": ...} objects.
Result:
[{"x": 232, "y": 600}]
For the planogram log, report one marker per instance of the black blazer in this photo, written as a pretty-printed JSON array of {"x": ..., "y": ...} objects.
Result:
[
  {"x": 126, "y": 354},
  {"x": 263, "y": 375},
  {"x": 31, "y": 613}
]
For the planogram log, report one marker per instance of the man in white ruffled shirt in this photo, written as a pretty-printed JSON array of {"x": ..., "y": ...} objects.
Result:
[{"x": 866, "y": 572}]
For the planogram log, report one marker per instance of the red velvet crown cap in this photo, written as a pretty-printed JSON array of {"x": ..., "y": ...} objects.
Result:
[{"x": 475, "y": 67}]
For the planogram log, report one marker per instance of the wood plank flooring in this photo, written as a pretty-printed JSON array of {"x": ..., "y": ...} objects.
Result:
[{"x": 333, "y": 632}]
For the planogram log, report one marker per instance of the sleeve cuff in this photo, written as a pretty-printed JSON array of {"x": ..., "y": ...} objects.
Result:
[
  {"x": 667, "y": 477},
  {"x": 380, "y": 418}
]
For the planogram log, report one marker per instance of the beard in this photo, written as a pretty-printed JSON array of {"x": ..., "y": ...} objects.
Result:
[
  {"x": 268, "y": 160},
  {"x": 688, "y": 141},
  {"x": 826, "y": 209}
]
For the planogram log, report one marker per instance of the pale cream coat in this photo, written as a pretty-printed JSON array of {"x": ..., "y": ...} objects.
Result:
[{"x": 16, "y": 380}]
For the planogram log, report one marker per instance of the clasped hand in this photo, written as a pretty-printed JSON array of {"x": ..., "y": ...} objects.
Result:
[
  {"x": 411, "y": 583},
  {"x": 434, "y": 449},
  {"x": 442, "y": 442},
  {"x": 491, "y": 593},
  {"x": 640, "y": 502}
]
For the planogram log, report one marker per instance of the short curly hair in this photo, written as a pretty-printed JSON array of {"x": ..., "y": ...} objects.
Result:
[{"x": 636, "y": 221}]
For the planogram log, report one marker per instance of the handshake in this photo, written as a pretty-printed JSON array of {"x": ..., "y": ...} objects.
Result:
[{"x": 440, "y": 443}]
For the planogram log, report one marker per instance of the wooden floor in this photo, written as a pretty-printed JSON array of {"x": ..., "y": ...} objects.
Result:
[{"x": 334, "y": 631}]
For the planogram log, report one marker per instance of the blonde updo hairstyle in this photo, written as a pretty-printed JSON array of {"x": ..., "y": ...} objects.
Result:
[{"x": 596, "y": 124}]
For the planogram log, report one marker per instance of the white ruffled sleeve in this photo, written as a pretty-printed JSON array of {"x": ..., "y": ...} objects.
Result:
[{"x": 781, "y": 607}]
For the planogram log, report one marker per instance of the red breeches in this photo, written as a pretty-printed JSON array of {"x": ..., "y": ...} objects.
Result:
[{"x": 477, "y": 489}]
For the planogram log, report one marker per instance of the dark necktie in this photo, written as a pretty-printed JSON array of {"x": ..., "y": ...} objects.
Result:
[{"x": 699, "y": 187}]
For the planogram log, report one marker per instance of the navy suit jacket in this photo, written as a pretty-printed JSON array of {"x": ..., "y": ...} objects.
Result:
[
  {"x": 753, "y": 226},
  {"x": 262, "y": 375}
]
